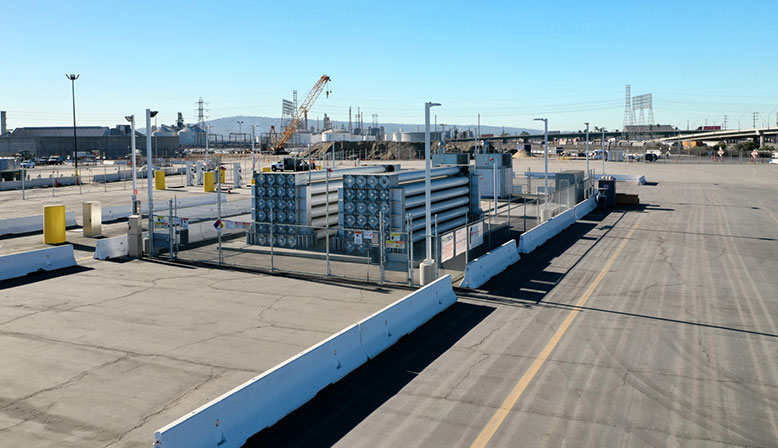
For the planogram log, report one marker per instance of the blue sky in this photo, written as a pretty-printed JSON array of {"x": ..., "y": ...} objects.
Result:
[{"x": 509, "y": 60}]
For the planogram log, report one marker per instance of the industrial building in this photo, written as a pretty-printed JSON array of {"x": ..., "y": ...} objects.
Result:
[{"x": 102, "y": 141}]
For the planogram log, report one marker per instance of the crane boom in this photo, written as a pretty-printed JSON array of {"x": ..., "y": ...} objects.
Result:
[{"x": 305, "y": 106}]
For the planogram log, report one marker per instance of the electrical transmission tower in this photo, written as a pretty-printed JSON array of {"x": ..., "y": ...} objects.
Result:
[
  {"x": 628, "y": 117},
  {"x": 642, "y": 103},
  {"x": 756, "y": 114},
  {"x": 201, "y": 117}
]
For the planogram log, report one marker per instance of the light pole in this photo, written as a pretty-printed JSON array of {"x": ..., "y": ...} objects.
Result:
[
  {"x": 240, "y": 130},
  {"x": 73, "y": 78},
  {"x": 156, "y": 129},
  {"x": 427, "y": 271},
  {"x": 603, "y": 151},
  {"x": 135, "y": 211},
  {"x": 545, "y": 137},
  {"x": 149, "y": 174},
  {"x": 253, "y": 157},
  {"x": 587, "y": 148},
  {"x": 207, "y": 132}
]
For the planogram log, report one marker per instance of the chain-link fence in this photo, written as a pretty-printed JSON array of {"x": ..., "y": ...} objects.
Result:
[{"x": 224, "y": 234}]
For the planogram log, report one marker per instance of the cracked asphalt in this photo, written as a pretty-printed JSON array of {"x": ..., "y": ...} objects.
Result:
[
  {"x": 105, "y": 354},
  {"x": 676, "y": 346}
]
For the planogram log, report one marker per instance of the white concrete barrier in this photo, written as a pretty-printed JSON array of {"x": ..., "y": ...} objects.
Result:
[
  {"x": 585, "y": 207},
  {"x": 115, "y": 247},
  {"x": 27, "y": 224},
  {"x": 637, "y": 178},
  {"x": 116, "y": 212},
  {"x": 262, "y": 401},
  {"x": 381, "y": 330},
  {"x": 231, "y": 419},
  {"x": 49, "y": 259},
  {"x": 480, "y": 270},
  {"x": 536, "y": 236}
]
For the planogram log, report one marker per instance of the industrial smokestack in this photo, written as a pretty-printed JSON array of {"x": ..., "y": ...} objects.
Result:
[{"x": 3, "y": 127}]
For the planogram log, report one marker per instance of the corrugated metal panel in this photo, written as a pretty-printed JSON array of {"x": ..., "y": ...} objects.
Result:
[{"x": 62, "y": 131}]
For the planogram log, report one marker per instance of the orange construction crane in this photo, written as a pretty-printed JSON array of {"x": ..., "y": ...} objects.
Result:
[{"x": 305, "y": 106}]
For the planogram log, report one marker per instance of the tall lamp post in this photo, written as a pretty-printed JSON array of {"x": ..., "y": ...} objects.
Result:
[
  {"x": 135, "y": 211},
  {"x": 253, "y": 156},
  {"x": 587, "y": 148},
  {"x": 427, "y": 271},
  {"x": 149, "y": 175},
  {"x": 73, "y": 78},
  {"x": 545, "y": 154}
]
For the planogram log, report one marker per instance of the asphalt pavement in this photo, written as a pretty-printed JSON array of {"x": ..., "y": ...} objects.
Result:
[{"x": 654, "y": 325}]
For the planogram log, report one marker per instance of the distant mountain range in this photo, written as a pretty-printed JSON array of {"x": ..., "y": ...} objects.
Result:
[{"x": 225, "y": 126}]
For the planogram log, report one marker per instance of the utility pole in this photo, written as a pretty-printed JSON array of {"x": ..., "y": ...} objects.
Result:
[
  {"x": 149, "y": 176},
  {"x": 253, "y": 156},
  {"x": 73, "y": 78},
  {"x": 725, "y": 122},
  {"x": 135, "y": 211},
  {"x": 427, "y": 268},
  {"x": 587, "y": 148},
  {"x": 545, "y": 156},
  {"x": 755, "y": 115}
]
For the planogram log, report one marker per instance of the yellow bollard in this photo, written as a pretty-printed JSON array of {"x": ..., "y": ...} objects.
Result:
[
  {"x": 253, "y": 181},
  {"x": 159, "y": 180},
  {"x": 53, "y": 224},
  {"x": 208, "y": 178},
  {"x": 223, "y": 176}
]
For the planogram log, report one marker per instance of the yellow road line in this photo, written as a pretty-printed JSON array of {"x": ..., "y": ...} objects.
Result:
[
  {"x": 84, "y": 258},
  {"x": 502, "y": 412}
]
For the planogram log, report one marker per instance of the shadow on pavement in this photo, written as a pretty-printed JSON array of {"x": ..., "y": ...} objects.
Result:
[
  {"x": 41, "y": 275},
  {"x": 528, "y": 279},
  {"x": 340, "y": 407}
]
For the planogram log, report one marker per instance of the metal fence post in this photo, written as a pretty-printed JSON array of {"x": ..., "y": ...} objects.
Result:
[
  {"x": 105, "y": 177},
  {"x": 510, "y": 204},
  {"x": 437, "y": 245},
  {"x": 409, "y": 249},
  {"x": 271, "y": 240},
  {"x": 525, "y": 216},
  {"x": 219, "y": 210},
  {"x": 24, "y": 174},
  {"x": 171, "y": 229},
  {"x": 381, "y": 245},
  {"x": 326, "y": 213},
  {"x": 53, "y": 184},
  {"x": 467, "y": 245}
]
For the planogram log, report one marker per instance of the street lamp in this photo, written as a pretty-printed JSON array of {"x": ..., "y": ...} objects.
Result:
[
  {"x": 73, "y": 78},
  {"x": 587, "y": 148},
  {"x": 135, "y": 211},
  {"x": 253, "y": 157},
  {"x": 545, "y": 136},
  {"x": 427, "y": 271},
  {"x": 149, "y": 174}
]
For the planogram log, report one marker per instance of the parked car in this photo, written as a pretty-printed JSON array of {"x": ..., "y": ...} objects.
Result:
[
  {"x": 55, "y": 160},
  {"x": 27, "y": 164}
]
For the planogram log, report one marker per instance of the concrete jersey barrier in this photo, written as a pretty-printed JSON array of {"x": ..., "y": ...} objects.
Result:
[
  {"x": 49, "y": 259},
  {"x": 536, "y": 236},
  {"x": 115, "y": 247},
  {"x": 382, "y": 329},
  {"x": 483, "y": 268},
  {"x": 116, "y": 212},
  {"x": 231, "y": 419},
  {"x": 638, "y": 178},
  {"x": 27, "y": 224}
]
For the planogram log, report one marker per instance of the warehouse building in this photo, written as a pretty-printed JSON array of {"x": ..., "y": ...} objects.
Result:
[{"x": 102, "y": 141}]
